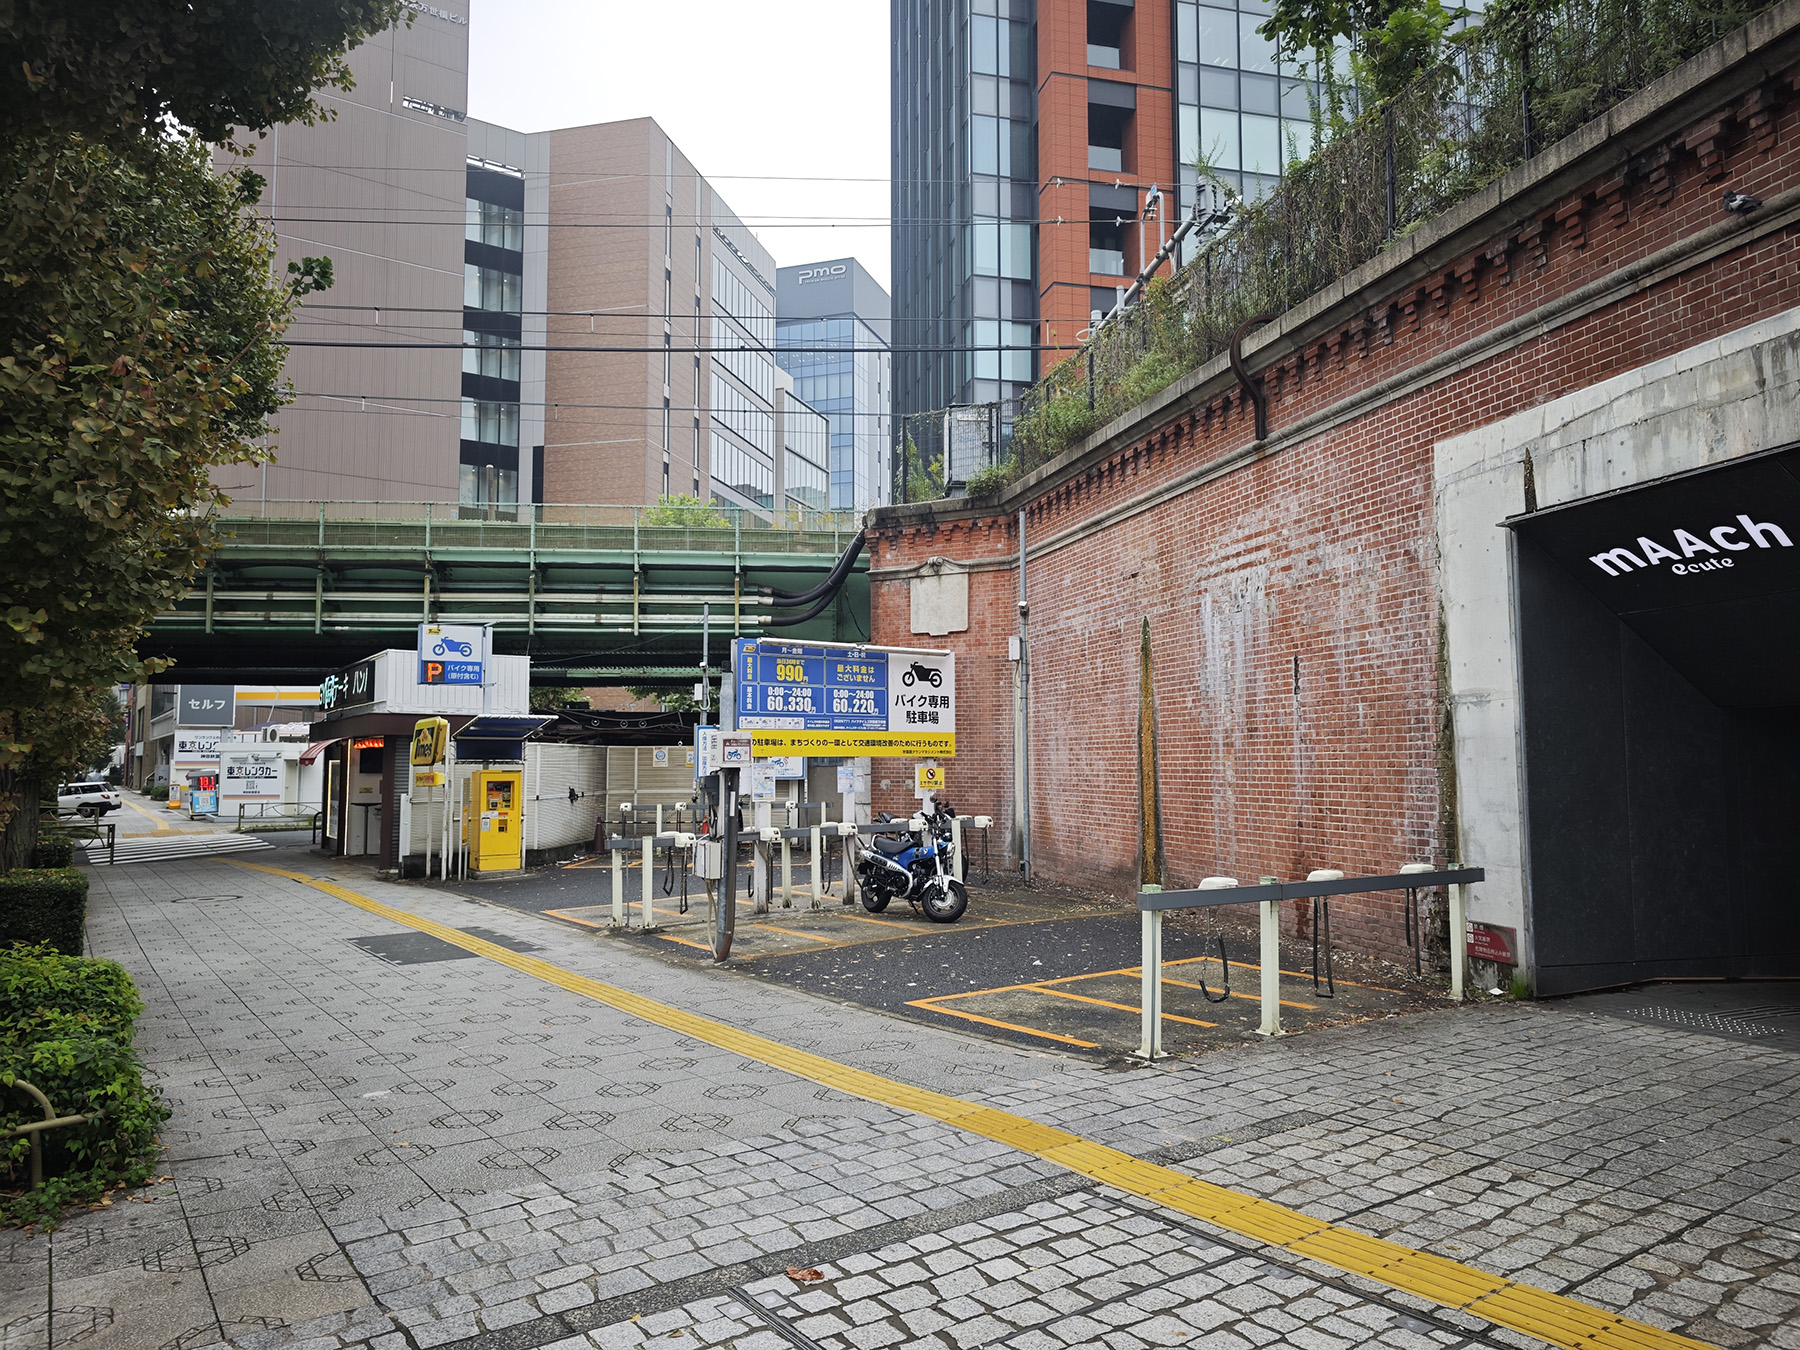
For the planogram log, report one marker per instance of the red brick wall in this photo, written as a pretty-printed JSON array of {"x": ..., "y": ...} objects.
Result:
[{"x": 1293, "y": 615}]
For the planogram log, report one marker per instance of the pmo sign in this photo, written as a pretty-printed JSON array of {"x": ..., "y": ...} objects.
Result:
[
  {"x": 451, "y": 653},
  {"x": 829, "y": 699}
]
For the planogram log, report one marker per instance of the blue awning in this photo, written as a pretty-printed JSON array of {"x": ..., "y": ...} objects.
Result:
[{"x": 497, "y": 737}]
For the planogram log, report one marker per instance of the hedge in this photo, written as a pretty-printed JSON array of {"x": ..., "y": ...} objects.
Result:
[
  {"x": 44, "y": 904},
  {"x": 53, "y": 852},
  {"x": 66, "y": 1027}
]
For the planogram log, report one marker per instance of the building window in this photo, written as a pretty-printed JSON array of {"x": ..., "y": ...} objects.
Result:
[
  {"x": 495, "y": 225},
  {"x": 490, "y": 289},
  {"x": 490, "y": 423},
  {"x": 490, "y": 355}
]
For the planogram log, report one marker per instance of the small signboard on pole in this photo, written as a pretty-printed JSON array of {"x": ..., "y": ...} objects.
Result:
[{"x": 452, "y": 653}]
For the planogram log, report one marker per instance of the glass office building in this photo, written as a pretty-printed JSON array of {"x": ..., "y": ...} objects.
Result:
[
  {"x": 1030, "y": 139},
  {"x": 1239, "y": 107},
  {"x": 964, "y": 200},
  {"x": 831, "y": 336}
]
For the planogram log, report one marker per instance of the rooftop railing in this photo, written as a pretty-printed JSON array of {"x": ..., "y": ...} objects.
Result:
[{"x": 1502, "y": 91}]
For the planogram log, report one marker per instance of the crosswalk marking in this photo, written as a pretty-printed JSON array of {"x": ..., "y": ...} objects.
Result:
[{"x": 174, "y": 847}]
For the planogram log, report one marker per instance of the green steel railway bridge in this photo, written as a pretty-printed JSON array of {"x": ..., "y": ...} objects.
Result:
[{"x": 593, "y": 594}]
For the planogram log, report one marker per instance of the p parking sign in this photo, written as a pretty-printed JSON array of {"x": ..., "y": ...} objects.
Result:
[{"x": 452, "y": 653}]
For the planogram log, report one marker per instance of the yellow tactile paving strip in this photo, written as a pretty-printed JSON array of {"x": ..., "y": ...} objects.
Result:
[{"x": 1554, "y": 1318}]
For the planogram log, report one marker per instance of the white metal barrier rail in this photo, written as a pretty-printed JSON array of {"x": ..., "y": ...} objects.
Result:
[{"x": 1213, "y": 892}]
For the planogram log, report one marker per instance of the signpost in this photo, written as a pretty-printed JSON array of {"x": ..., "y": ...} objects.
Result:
[
  {"x": 452, "y": 653},
  {"x": 840, "y": 699}
]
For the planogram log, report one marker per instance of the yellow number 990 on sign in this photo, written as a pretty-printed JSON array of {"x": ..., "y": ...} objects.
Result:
[{"x": 790, "y": 670}]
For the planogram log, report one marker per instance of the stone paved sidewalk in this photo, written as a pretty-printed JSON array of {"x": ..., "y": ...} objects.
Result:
[{"x": 451, "y": 1152}]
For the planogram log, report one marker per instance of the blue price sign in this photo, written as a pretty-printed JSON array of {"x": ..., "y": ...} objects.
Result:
[
  {"x": 800, "y": 699},
  {"x": 788, "y": 686}
]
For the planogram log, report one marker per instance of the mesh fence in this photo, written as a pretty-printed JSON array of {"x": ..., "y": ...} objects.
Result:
[{"x": 1505, "y": 90}]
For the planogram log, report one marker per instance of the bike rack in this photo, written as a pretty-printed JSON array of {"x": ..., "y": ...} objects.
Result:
[
  {"x": 647, "y": 845},
  {"x": 1212, "y": 892},
  {"x": 36, "y": 1129}
]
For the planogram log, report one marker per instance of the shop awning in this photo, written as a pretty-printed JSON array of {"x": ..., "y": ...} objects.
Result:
[{"x": 317, "y": 748}]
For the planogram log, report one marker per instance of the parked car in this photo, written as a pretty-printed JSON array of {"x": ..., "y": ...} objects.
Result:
[{"x": 87, "y": 799}]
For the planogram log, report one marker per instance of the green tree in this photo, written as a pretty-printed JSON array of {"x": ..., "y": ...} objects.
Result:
[
  {"x": 139, "y": 348},
  {"x": 139, "y": 326},
  {"x": 105, "y": 69},
  {"x": 684, "y": 511},
  {"x": 1391, "y": 42}
]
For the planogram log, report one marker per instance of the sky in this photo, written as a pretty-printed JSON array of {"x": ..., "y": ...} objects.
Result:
[{"x": 781, "y": 104}]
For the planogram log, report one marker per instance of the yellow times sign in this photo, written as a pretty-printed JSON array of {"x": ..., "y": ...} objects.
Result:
[{"x": 907, "y": 744}]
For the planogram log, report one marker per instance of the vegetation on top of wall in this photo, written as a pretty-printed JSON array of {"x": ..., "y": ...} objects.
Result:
[{"x": 1416, "y": 114}]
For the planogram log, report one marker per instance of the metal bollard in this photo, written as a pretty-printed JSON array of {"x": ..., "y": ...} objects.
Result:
[
  {"x": 1459, "y": 937},
  {"x": 787, "y": 872},
  {"x": 647, "y": 911},
  {"x": 618, "y": 914},
  {"x": 818, "y": 868},
  {"x": 1271, "y": 969},
  {"x": 1150, "y": 1043},
  {"x": 956, "y": 847}
]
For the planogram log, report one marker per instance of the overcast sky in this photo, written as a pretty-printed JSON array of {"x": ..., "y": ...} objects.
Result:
[{"x": 782, "y": 104}]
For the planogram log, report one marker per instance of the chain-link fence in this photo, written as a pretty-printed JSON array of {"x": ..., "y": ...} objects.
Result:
[{"x": 1523, "y": 79}]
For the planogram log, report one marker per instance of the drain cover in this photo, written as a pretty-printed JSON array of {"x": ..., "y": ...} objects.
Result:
[{"x": 418, "y": 949}]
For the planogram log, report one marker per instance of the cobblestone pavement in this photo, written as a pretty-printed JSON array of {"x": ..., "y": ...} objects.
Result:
[{"x": 393, "y": 1143}]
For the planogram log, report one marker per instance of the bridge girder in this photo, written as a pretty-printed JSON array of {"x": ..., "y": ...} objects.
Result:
[{"x": 295, "y": 600}]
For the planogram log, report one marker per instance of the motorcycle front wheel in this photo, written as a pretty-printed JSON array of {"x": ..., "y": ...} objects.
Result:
[{"x": 946, "y": 903}]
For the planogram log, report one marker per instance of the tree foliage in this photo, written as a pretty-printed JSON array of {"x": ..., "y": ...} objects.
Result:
[
  {"x": 103, "y": 69},
  {"x": 139, "y": 349},
  {"x": 684, "y": 511}
]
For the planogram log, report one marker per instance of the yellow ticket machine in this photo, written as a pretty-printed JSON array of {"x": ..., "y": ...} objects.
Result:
[{"x": 497, "y": 835}]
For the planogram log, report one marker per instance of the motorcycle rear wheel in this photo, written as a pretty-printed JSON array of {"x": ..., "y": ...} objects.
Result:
[
  {"x": 872, "y": 902},
  {"x": 945, "y": 904}
]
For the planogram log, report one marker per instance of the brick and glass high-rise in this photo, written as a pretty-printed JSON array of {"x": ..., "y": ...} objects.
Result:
[{"x": 1028, "y": 135}]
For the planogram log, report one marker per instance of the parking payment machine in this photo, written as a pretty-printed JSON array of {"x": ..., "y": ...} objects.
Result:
[{"x": 497, "y": 841}]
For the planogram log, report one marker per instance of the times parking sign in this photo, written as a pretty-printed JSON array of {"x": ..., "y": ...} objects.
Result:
[{"x": 829, "y": 699}]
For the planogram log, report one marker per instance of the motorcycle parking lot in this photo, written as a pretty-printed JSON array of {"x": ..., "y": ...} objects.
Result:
[{"x": 1033, "y": 967}]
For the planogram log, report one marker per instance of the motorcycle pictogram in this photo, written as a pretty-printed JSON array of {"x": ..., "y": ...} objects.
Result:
[{"x": 931, "y": 675}]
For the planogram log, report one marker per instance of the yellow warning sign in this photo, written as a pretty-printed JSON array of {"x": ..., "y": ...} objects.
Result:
[
  {"x": 929, "y": 777},
  {"x": 896, "y": 744},
  {"x": 428, "y": 778}
]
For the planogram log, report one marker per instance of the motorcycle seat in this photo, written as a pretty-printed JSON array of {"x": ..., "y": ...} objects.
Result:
[{"x": 891, "y": 844}]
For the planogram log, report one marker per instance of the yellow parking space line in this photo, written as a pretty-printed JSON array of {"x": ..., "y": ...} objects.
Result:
[
  {"x": 570, "y": 918},
  {"x": 1253, "y": 998},
  {"x": 685, "y": 942},
  {"x": 796, "y": 932},
  {"x": 1107, "y": 1003},
  {"x": 1554, "y": 1318},
  {"x": 930, "y": 1005}
]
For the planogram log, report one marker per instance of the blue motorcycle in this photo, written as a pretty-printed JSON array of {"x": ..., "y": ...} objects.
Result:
[{"x": 915, "y": 867}]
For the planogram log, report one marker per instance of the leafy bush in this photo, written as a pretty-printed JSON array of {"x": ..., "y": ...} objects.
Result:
[
  {"x": 66, "y": 1027},
  {"x": 44, "y": 904},
  {"x": 157, "y": 792},
  {"x": 52, "y": 852},
  {"x": 991, "y": 481},
  {"x": 684, "y": 511}
]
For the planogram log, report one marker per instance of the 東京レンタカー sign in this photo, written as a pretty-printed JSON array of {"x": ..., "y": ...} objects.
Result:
[{"x": 825, "y": 699}]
